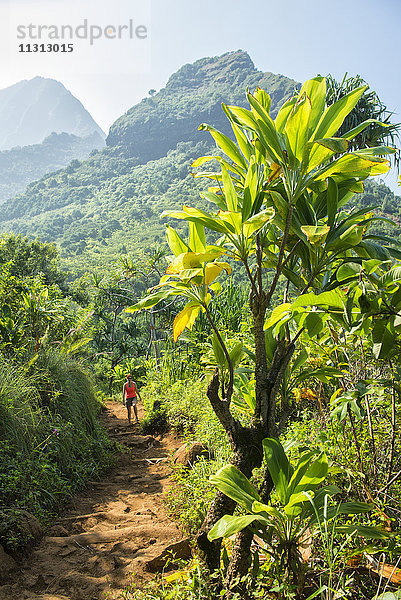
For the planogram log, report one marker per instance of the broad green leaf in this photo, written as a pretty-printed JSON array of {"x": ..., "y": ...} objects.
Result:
[
  {"x": 243, "y": 117},
  {"x": 243, "y": 143},
  {"x": 323, "y": 374},
  {"x": 232, "y": 219},
  {"x": 284, "y": 113},
  {"x": 280, "y": 469},
  {"x": 203, "y": 160},
  {"x": 175, "y": 241},
  {"x": 149, "y": 301},
  {"x": 213, "y": 270},
  {"x": 197, "y": 239},
  {"x": 348, "y": 270},
  {"x": 229, "y": 525},
  {"x": 354, "y": 508},
  {"x": 263, "y": 98},
  {"x": 300, "y": 360},
  {"x": 349, "y": 238},
  {"x": 198, "y": 216},
  {"x": 299, "y": 471},
  {"x": 391, "y": 277},
  {"x": 215, "y": 199},
  {"x": 334, "y": 115},
  {"x": 319, "y": 151},
  {"x": 218, "y": 351},
  {"x": 332, "y": 201},
  {"x": 266, "y": 129},
  {"x": 226, "y": 145},
  {"x": 256, "y": 222},
  {"x": 383, "y": 339},
  {"x": 187, "y": 274},
  {"x": 229, "y": 191},
  {"x": 315, "y": 89},
  {"x": 293, "y": 508},
  {"x": 316, "y": 234},
  {"x": 355, "y": 166},
  {"x": 192, "y": 260},
  {"x": 313, "y": 476},
  {"x": 250, "y": 189},
  {"x": 235, "y": 485},
  {"x": 367, "y": 248},
  {"x": 332, "y": 299},
  {"x": 314, "y": 324},
  {"x": 297, "y": 124},
  {"x": 278, "y": 313},
  {"x": 236, "y": 354},
  {"x": 375, "y": 151}
]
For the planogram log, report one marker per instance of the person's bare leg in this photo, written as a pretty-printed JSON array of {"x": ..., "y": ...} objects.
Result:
[
  {"x": 129, "y": 414},
  {"x": 136, "y": 413}
]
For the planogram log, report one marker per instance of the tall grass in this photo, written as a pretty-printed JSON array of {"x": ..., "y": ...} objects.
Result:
[
  {"x": 20, "y": 416},
  {"x": 51, "y": 441}
]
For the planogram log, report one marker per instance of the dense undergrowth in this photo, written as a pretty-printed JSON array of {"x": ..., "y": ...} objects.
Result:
[
  {"x": 51, "y": 441},
  {"x": 182, "y": 406}
]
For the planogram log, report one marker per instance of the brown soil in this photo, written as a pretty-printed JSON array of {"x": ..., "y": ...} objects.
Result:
[{"x": 102, "y": 543}]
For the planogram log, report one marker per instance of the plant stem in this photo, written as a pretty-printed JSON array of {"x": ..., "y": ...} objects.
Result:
[{"x": 392, "y": 441}]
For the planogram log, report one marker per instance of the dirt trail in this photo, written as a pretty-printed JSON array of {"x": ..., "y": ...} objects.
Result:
[{"x": 101, "y": 544}]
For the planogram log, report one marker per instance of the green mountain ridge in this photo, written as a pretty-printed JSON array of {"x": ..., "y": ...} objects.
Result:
[
  {"x": 193, "y": 95},
  {"x": 110, "y": 204},
  {"x": 22, "y": 165}
]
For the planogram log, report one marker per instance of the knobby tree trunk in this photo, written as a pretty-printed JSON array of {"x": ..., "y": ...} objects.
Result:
[{"x": 246, "y": 444}]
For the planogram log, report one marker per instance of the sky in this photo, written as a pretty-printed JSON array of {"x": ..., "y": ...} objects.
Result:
[{"x": 297, "y": 38}]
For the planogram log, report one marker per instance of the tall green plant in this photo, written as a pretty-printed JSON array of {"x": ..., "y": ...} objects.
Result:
[
  {"x": 303, "y": 507},
  {"x": 279, "y": 199}
]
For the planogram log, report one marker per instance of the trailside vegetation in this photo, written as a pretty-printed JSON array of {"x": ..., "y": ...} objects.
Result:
[
  {"x": 280, "y": 202},
  {"x": 51, "y": 441}
]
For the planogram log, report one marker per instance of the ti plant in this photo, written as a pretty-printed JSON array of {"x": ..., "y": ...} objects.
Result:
[
  {"x": 303, "y": 508},
  {"x": 278, "y": 204}
]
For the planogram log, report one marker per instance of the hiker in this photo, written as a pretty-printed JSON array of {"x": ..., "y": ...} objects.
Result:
[{"x": 130, "y": 397}]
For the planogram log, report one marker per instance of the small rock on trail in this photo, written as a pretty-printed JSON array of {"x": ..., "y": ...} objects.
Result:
[{"x": 112, "y": 530}]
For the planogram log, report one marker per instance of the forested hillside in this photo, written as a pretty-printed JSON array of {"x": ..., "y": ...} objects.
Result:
[
  {"x": 21, "y": 165},
  {"x": 192, "y": 95}
]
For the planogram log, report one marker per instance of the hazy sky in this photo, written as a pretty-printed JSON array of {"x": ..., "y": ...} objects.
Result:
[{"x": 298, "y": 38}]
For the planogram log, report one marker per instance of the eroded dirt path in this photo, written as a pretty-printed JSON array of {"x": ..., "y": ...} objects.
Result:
[{"x": 103, "y": 541}]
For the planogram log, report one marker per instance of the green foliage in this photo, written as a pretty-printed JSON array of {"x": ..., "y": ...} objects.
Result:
[
  {"x": 368, "y": 107},
  {"x": 51, "y": 439},
  {"x": 20, "y": 166},
  {"x": 30, "y": 258}
]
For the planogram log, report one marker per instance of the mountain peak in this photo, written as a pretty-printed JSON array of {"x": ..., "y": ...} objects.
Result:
[
  {"x": 193, "y": 95},
  {"x": 203, "y": 72},
  {"x": 32, "y": 109}
]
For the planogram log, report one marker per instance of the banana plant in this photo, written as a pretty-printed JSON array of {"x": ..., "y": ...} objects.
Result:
[{"x": 302, "y": 506}]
